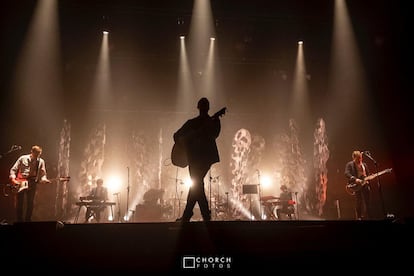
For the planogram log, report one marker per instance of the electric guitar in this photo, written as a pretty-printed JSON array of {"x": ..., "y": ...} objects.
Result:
[
  {"x": 178, "y": 153},
  {"x": 23, "y": 184},
  {"x": 351, "y": 188}
]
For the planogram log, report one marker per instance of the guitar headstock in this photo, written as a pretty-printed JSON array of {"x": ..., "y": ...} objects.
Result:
[{"x": 220, "y": 113}]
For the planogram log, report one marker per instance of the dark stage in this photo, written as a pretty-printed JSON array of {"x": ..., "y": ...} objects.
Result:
[{"x": 217, "y": 246}]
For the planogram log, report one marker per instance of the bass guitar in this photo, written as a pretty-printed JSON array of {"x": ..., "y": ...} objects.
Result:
[
  {"x": 351, "y": 188},
  {"x": 23, "y": 184},
  {"x": 178, "y": 152}
]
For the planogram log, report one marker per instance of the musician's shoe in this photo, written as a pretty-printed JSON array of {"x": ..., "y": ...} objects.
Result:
[{"x": 181, "y": 220}]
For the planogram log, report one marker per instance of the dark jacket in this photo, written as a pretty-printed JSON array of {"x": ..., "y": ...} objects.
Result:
[
  {"x": 351, "y": 172},
  {"x": 199, "y": 137}
]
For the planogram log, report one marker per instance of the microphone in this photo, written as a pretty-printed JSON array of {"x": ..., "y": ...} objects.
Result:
[
  {"x": 368, "y": 154},
  {"x": 16, "y": 147}
]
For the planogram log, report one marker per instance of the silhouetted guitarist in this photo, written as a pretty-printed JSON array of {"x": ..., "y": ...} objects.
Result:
[{"x": 198, "y": 139}]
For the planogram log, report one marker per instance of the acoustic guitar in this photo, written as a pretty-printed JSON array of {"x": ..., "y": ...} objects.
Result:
[{"x": 179, "y": 153}]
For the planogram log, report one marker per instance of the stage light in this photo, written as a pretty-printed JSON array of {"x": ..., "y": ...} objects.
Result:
[
  {"x": 188, "y": 182},
  {"x": 266, "y": 181},
  {"x": 114, "y": 183}
]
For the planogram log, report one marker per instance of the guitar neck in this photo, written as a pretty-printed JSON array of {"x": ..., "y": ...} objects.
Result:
[
  {"x": 372, "y": 176},
  {"x": 219, "y": 113}
]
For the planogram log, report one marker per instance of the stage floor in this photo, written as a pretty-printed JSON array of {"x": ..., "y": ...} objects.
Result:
[{"x": 216, "y": 246}]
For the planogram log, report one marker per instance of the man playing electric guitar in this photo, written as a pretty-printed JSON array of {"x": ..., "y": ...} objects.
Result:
[
  {"x": 26, "y": 173},
  {"x": 355, "y": 172}
]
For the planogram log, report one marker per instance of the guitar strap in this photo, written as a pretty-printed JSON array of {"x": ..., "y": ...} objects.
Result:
[
  {"x": 360, "y": 171},
  {"x": 364, "y": 172},
  {"x": 37, "y": 170}
]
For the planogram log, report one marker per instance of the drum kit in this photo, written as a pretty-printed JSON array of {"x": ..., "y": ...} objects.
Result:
[{"x": 220, "y": 209}]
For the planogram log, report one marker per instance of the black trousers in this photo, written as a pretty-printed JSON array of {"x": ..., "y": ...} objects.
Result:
[
  {"x": 363, "y": 203},
  {"x": 26, "y": 196},
  {"x": 197, "y": 194}
]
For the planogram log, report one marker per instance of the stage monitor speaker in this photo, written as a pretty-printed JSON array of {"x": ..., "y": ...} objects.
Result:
[{"x": 148, "y": 213}]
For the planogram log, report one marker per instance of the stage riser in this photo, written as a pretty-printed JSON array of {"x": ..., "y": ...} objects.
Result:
[{"x": 160, "y": 247}]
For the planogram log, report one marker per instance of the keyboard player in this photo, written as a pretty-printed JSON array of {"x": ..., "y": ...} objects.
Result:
[{"x": 98, "y": 196}]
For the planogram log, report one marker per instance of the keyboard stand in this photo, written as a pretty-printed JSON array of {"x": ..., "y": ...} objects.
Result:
[{"x": 89, "y": 204}]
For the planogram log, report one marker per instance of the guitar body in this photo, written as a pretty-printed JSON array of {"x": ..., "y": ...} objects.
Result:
[
  {"x": 179, "y": 155},
  {"x": 22, "y": 185},
  {"x": 352, "y": 188}
]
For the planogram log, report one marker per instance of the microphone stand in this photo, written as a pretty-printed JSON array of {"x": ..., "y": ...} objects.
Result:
[
  {"x": 179, "y": 203},
  {"x": 380, "y": 192},
  {"x": 177, "y": 197},
  {"x": 227, "y": 216},
  {"x": 297, "y": 207},
  {"x": 209, "y": 189},
  {"x": 119, "y": 206},
  {"x": 176, "y": 194},
  {"x": 218, "y": 196},
  {"x": 260, "y": 196},
  {"x": 127, "y": 203},
  {"x": 368, "y": 154},
  {"x": 13, "y": 148}
]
